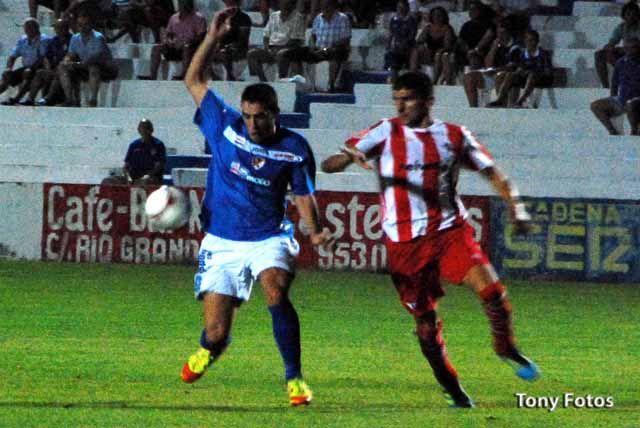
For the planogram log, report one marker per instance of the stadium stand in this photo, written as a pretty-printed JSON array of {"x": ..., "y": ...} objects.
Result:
[{"x": 80, "y": 145}]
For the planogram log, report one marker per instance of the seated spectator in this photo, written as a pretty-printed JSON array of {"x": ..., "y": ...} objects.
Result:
[
  {"x": 102, "y": 13},
  {"x": 144, "y": 162},
  {"x": 625, "y": 90},
  {"x": 285, "y": 31},
  {"x": 401, "y": 46},
  {"x": 57, "y": 6},
  {"x": 436, "y": 46},
  {"x": 183, "y": 35},
  {"x": 88, "y": 59},
  {"x": 46, "y": 78},
  {"x": 533, "y": 69},
  {"x": 502, "y": 53},
  {"x": 234, "y": 45},
  {"x": 330, "y": 40},
  {"x": 476, "y": 35},
  {"x": 610, "y": 53},
  {"x": 31, "y": 48},
  {"x": 154, "y": 14}
]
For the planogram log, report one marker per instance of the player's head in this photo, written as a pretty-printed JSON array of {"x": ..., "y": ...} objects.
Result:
[
  {"x": 145, "y": 128},
  {"x": 413, "y": 97},
  {"x": 259, "y": 105}
]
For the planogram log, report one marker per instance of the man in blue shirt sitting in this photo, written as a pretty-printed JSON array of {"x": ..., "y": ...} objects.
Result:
[
  {"x": 89, "y": 59},
  {"x": 144, "y": 162},
  {"x": 31, "y": 48},
  {"x": 248, "y": 238}
]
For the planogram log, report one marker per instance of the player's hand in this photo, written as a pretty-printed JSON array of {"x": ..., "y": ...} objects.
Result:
[
  {"x": 357, "y": 157},
  {"x": 220, "y": 25},
  {"x": 521, "y": 219},
  {"x": 323, "y": 238}
]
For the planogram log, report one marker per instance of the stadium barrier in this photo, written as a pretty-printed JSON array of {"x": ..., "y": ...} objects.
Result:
[{"x": 576, "y": 239}]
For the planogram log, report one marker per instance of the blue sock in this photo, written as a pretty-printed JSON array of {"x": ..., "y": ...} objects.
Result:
[
  {"x": 216, "y": 348},
  {"x": 286, "y": 330}
]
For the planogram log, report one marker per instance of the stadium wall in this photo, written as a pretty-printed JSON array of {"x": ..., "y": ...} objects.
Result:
[{"x": 575, "y": 239}]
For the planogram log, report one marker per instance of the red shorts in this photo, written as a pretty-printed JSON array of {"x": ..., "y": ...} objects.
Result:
[{"x": 418, "y": 265}]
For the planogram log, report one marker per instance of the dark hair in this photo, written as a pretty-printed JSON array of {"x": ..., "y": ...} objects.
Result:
[
  {"x": 630, "y": 6},
  {"x": 418, "y": 82},
  {"x": 261, "y": 93},
  {"x": 433, "y": 11},
  {"x": 535, "y": 34}
]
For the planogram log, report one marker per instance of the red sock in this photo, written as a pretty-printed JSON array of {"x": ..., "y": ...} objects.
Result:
[
  {"x": 434, "y": 349},
  {"x": 498, "y": 309}
]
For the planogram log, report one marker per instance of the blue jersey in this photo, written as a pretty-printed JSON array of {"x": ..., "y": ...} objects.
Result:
[{"x": 247, "y": 182}]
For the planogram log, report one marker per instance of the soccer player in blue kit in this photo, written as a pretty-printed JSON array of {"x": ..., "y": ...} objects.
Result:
[{"x": 254, "y": 160}]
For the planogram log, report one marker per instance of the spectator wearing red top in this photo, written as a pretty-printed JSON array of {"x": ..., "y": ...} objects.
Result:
[{"x": 185, "y": 31}]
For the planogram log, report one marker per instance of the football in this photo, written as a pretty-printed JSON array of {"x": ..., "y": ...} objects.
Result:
[{"x": 167, "y": 208}]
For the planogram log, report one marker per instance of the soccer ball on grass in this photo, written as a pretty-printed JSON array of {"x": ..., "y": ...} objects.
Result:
[{"x": 167, "y": 208}]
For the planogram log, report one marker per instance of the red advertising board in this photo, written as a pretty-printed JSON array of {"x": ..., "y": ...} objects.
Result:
[{"x": 84, "y": 223}]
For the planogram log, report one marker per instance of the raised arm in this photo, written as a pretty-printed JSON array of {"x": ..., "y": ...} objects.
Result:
[
  {"x": 509, "y": 193},
  {"x": 340, "y": 161},
  {"x": 196, "y": 79}
]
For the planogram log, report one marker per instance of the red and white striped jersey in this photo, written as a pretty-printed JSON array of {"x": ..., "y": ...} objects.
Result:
[{"x": 418, "y": 170}]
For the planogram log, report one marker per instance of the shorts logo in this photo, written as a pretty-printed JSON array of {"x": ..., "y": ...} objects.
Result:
[{"x": 257, "y": 162}]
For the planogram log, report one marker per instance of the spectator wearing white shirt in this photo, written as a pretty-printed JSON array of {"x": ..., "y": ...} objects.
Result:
[
  {"x": 31, "y": 48},
  {"x": 283, "y": 36},
  {"x": 330, "y": 40}
]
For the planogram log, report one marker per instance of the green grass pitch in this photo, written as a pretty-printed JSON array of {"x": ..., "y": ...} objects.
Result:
[{"x": 102, "y": 345}]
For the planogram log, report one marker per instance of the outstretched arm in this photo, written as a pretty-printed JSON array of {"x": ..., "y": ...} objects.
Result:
[
  {"x": 195, "y": 79},
  {"x": 347, "y": 156},
  {"x": 509, "y": 193},
  {"x": 308, "y": 210}
]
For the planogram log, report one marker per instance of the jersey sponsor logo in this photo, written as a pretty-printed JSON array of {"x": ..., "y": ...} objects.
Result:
[
  {"x": 420, "y": 166},
  {"x": 243, "y": 173},
  {"x": 257, "y": 150},
  {"x": 258, "y": 162}
]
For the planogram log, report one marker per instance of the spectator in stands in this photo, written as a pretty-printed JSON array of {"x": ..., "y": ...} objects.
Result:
[
  {"x": 625, "y": 90},
  {"x": 533, "y": 69},
  {"x": 46, "y": 78},
  {"x": 502, "y": 53},
  {"x": 31, "y": 48},
  {"x": 88, "y": 59},
  {"x": 436, "y": 46},
  {"x": 330, "y": 40},
  {"x": 57, "y": 6},
  {"x": 154, "y": 14},
  {"x": 234, "y": 46},
  {"x": 103, "y": 13},
  {"x": 185, "y": 31},
  {"x": 476, "y": 35},
  {"x": 401, "y": 46},
  {"x": 285, "y": 31},
  {"x": 610, "y": 53},
  {"x": 144, "y": 162}
]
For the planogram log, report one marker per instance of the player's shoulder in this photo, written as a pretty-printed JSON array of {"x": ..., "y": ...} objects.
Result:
[{"x": 293, "y": 140}]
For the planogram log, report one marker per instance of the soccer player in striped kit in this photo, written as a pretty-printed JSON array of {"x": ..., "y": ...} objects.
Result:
[{"x": 418, "y": 159}]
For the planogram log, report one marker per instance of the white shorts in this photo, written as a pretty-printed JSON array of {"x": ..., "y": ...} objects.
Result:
[{"x": 231, "y": 267}]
